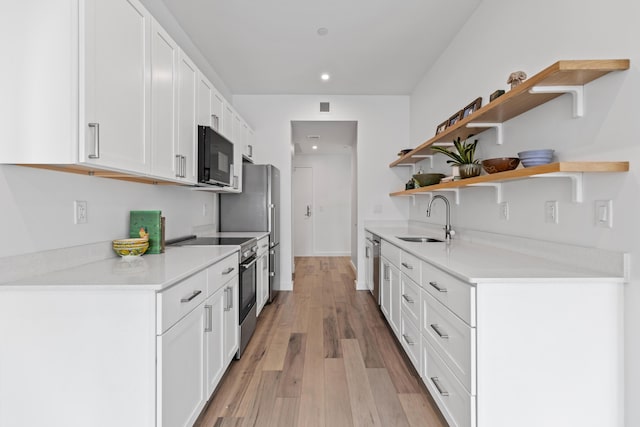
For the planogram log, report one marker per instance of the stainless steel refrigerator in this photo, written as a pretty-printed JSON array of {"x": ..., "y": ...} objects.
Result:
[{"x": 257, "y": 208}]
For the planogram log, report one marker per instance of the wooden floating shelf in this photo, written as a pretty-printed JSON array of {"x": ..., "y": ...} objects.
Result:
[
  {"x": 521, "y": 173},
  {"x": 519, "y": 100}
]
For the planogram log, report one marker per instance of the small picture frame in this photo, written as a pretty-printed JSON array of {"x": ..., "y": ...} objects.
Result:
[
  {"x": 454, "y": 119},
  {"x": 471, "y": 108},
  {"x": 442, "y": 126}
]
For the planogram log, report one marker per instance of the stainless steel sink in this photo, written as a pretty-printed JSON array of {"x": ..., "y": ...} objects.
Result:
[{"x": 418, "y": 239}]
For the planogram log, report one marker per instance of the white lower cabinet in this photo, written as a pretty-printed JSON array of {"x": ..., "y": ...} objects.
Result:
[
  {"x": 231, "y": 320},
  {"x": 262, "y": 274},
  {"x": 181, "y": 391},
  {"x": 390, "y": 294},
  {"x": 214, "y": 339}
]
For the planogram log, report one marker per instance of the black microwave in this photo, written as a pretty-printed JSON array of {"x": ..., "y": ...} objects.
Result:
[{"x": 215, "y": 158}]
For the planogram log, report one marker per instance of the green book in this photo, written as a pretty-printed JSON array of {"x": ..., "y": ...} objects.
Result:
[{"x": 151, "y": 222}]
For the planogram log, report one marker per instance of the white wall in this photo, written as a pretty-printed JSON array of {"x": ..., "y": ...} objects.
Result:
[
  {"x": 504, "y": 36},
  {"x": 37, "y": 209},
  {"x": 383, "y": 129},
  {"x": 331, "y": 194}
]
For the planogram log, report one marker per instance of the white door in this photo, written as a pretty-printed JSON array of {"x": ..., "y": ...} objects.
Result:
[
  {"x": 187, "y": 100},
  {"x": 214, "y": 339},
  {"x": 164, "y": 97},
  {"x": 117, "y": 85},
  {"x": 303, "y": 211},
  {"x": 181, "y": 371}
]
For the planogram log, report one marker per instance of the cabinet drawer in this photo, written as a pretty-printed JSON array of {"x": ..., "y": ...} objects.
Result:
[
  {"x": 411, "y": 266},
  {"x": 220, "y": 273},
  {"x": 454, "y": 340},
  {"x": 390, "y": 252},
  {"x": 177, "y": 301},
  {"x": 455, "y": 403},
  {"x": 263, "y": 246},
  {"x": 410, "y": 299},
  {"x": 410, "y": 339},
  {"x": 456, "y": 295}
]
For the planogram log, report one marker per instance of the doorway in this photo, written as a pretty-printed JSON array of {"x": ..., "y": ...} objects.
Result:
[{"x": 324, "y": 187}]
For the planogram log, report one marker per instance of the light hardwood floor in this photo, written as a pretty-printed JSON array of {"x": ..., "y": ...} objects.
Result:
[{"x": 322, "y": 355}]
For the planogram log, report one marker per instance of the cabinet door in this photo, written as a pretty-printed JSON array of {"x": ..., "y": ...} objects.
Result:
[
  {"x": 227, "y": 121},
  {"x": 262, "y": 282},
  {"x": 215, "y": 364},
  {"x": 205, "y": 96},
  {"x": 180, "y": 388},
  {"x": 187, "y": 99},
  {"x": 115, "y": 124},
  {"x": 231, "y": 319},
  {"x": 394, "y": 295},
  {"x": 165, "y": 159},
  {"x": 385, "y": 289},
  {"x": 217, "y": 110}
]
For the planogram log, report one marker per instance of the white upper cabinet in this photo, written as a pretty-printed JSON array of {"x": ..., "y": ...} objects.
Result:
[
  {"x": 164, "y": 98},
  {"x": 217, "y": 109},
  {"x": 227, "y": 121},
  {"x": 115, "y": 121},
  {"x": 187, "y": 111}
]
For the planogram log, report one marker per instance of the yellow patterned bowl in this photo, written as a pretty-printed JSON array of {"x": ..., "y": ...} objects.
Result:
[
  {"x": 132, "y": 250},
  {"x": 125, "y": 243}
]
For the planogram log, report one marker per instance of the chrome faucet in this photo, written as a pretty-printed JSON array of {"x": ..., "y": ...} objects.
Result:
[{"x": 448, "y": 232}]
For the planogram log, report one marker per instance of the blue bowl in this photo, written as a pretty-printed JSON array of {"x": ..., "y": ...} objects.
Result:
[{"x": 535, "y": 153}]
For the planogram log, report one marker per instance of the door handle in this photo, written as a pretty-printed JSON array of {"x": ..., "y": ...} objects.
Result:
[
  {"x": 96, "y": 141},
  {"x": 308, "y": 214},
  {"x": 209, "y": 312},
  {"x": 191, "y": 297}
]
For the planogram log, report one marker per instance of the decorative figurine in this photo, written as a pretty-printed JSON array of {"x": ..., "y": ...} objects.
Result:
[{"x": 516, "y": 78}]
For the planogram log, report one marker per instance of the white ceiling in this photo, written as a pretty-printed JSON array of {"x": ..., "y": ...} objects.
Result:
[
  {"x": 333, "y": 137},
  {"x": 373, "y": 47}
]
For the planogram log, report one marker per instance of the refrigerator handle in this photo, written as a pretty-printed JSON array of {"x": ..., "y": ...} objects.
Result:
[{"x": 274, "y": 223}]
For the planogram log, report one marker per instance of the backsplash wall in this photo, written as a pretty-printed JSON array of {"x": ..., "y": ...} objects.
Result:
[{"x": 37, "y": 209}]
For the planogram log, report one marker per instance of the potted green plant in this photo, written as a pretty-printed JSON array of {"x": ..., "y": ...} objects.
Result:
[{"x": 463, "y": 157}]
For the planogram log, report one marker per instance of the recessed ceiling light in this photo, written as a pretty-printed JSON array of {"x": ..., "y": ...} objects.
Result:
[
  {"x": 322, "y": 31},
  {"x": 315, "y": 147},
  {"x": 325, "y": 76}
]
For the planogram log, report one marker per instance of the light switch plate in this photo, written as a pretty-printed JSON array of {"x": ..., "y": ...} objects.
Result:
[
  {"x": 504, "y": 211},
  {"x": 80, "y": 212},
  {"x": 604, "y": 213}
]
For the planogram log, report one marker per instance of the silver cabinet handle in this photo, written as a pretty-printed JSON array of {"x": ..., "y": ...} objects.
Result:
[
  {"x": 407, "y": 299},
  {"x": 407, "y": 266},
  {"x": 441, "y": 334},
  {"x": 441, "y": 390},
  {"x": 209, "y": 319},
  {"x": 215, "y": 121},
  {"x": 96, "y": 141},
  {"x": 366, "y": 252},
  {"x": 408, "y": 339},
  {"x": 385, "y": 270},
  {"x": 438, "y": 288},
  {"x": 228, "y": 270},
  {"x": 184, "y": 166},
  {"x": 190, "y": 298},
  {"x": 226, "y": 299},
  {"x": 235, "y": 182},
  {"x": 230, "y": 298},
  {"x": 178, "y": 165},
  {"x": 250, "y": 147},
  {"x": 181, "y": 166}
]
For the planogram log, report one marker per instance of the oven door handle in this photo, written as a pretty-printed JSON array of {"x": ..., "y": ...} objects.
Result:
[{"x": 245, "y": 266}]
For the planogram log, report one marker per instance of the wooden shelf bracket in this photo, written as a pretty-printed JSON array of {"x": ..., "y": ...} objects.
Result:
[
  {"x": 497, "y": 126},
  {"x": 576, "y": 91},
  {"x": 496, "y": 185},
  {"x": 577, "y": 183}
]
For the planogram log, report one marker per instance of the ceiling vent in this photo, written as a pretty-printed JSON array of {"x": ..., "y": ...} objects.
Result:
[{"x": 324, "y": 107}]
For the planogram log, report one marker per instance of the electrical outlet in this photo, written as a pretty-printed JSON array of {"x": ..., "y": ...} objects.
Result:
[
  {"x": 80, "y": 212},
  {"x": 551, "y": 212},
  {"x": 604, "y": 213},
  {"x": 504, "y": 211}
]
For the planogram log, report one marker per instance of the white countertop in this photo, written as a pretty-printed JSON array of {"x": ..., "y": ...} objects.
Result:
[
  {"x": 151, "y": 272},
  {"x": 478, "y": 263}
]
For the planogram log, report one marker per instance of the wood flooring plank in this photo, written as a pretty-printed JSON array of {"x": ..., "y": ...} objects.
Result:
[
  {"x": 420, "y": 412},
  {"x": 363, "y": 407},
  {"x": 312, "y": 398},
  {"x": 274, "y": 358},
  {"x": 332, "y": 348},
  {"x": 366, "y": 339},
  {"x": 228, "y": 422},
  {"x": 404, "y": 378},
  {"x": 285, "y": 412},
  {"x": 264, "y": 400},
  {"x": 344, "y": 324},
  {"x": 337, "y": 401},
  {"x": 291, "y": 379},
  {"x": 389, "y": 408}
]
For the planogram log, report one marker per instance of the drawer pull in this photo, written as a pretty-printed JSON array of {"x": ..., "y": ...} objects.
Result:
[
  {"x": 441, "y": 334},
  {"x": 226, "y": 299},
  {"x": 209, "y": 321},
  {"x": 438, "y": 288},
  {"x": 407, "y": 299},
  {"x": 408, "y": 339},
  {"x": 407, "y": 266},
  {"x": 441, "y": 390},
  {"x": 193, "y": 295},
  {"x": 228, "y": 270}
]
